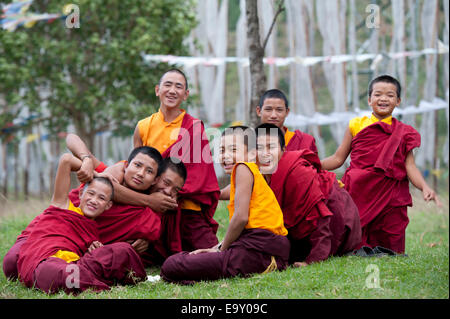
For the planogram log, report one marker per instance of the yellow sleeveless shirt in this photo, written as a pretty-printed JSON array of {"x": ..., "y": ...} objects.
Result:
[{"x": 264, "y": 210}]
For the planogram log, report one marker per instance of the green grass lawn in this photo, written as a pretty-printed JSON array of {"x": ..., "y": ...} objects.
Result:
[{"x": 423, "y": 274}]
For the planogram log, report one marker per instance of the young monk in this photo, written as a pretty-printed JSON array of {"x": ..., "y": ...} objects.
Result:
[
  {"x": 170, "y": 131},
  {"x": 382, "y": 164},
  {"x": 66, "y": 235},
  {"x": 274, "y": 108},
  {"x": 135, "y": 224},
  {"x": 320, "y": 216},
  {"x": 255, "y": 241}
]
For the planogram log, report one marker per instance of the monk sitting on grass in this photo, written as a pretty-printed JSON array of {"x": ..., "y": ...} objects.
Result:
[{"x": 255, "y": 241}]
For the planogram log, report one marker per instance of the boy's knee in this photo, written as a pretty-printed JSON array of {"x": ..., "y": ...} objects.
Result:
[
  {"x": 170, "y": 269},
  {"x": 10, "y": 266},
  {"x": 51, "y": 274}
]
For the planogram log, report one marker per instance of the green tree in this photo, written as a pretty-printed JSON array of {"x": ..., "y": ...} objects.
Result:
[{"x": 94, "y": 76}]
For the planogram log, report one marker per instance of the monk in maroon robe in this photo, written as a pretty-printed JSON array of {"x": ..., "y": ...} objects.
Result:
[
  {"x": 192, "y": 148},
  {"x": 199, "y": 196},
  {"x": 320, "y": 217},
  {"x": 299, "y": 141},
  {"x": 66, "y": 235},
  {"x": 378, "y": 183}
]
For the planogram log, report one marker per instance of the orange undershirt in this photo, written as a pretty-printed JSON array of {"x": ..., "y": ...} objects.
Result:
[{"x": 287, "y": 136}]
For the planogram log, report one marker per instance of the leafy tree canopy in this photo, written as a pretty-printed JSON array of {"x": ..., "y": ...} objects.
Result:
[{"x": 93, "y": 76}]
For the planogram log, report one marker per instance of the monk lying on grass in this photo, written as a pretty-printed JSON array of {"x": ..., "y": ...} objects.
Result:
[{"x": 63, "y": 250}]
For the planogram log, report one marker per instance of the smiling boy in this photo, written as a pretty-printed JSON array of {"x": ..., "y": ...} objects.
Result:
[
  {"x": 170, "y": 130},
  {"x": 321, "y": 218},
  {"x": 273, "y": 108},
  {"x": 255, "y": 241},
  {"x": 382, "y": 165},
  {"x": 67, "y": 235}
]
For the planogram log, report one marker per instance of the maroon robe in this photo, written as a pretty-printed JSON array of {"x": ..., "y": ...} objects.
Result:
[
  {"x": 321, "y": 218},
  {"x": 249, "y": 254},
  {"x": 97, "y": 270},
  {"x": 377, "y": 180},
  {"x": 193, "y": 230},
  {"x": 298, "y": 191},
  {"x": 301, "y": 140},
  {"x": 57, "y": 229}
]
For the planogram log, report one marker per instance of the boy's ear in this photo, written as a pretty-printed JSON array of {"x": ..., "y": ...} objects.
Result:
[
  {"x": 186, "y": 95},
  {"x": 258, "y": 111},
  {"x": 156, "y": 180},
  {"x": 251, "y": 155},
  {"x": 399, "y": 100},
  {"x": 108, "y": 206}
]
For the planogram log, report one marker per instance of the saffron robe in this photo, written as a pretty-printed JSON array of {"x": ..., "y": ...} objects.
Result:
[
  {"x": 321, "y": 218},
  {"x": 377, "y": 179},
  {"x": 192, "y": 229},
  {"x": 57, "y": 229},
  {"x": 301, "y": 140}
]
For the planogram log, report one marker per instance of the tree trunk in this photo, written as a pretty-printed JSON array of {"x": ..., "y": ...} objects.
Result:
[{"x": 258, "y": 78}]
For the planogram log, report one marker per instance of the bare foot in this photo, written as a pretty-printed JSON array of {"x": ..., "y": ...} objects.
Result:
[{"x": 299, "y": 264}]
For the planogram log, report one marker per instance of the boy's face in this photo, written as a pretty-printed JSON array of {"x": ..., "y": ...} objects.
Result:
[
  {"x": 169, "y": 183},
  {"x": 172, "y": 90},
  {"x": 141, "y": 172},
  {"x": 95, "y": 199},
  {"x": 269, "y": 153},
  {"x": 273, "y": 111},
  {"x": 383, "y": 99},
  {"x": 233, "y": 150}
]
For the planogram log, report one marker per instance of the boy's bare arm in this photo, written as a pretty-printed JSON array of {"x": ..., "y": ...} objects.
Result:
[
  {"x": 157, "y": 201},
  {"x": 416, "y": 178},
  {"x": 338, "y": 158},
  {"x": 137, "y": 141},
  {"x": 80, "y": 150},
  {"x": 67, "y": 164},
  {"x": 225, "y": 193},
  {"x": 244, "y": 185}
]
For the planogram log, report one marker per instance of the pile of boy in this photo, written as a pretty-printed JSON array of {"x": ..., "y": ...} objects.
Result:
[{"x": 285, "y": 206}]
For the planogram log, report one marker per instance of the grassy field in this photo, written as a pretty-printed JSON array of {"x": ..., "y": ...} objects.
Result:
[{"x": 423, "y": 274}]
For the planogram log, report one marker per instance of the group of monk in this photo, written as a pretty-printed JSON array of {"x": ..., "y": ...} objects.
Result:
[{"x": 285, "y": 207}]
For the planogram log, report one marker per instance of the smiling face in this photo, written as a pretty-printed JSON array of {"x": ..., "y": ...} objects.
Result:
[
  {"x": 169, "y": 183},
  {"x": 273, "y": 111},
  {"x": 233, "y": 150},
  {"x": 269, "y": 153},
  {"x": 383, "y": 99},
  {"x": 141, "y": 172},
  {"x": 172, "y": 90},
  {"x": 95, "y": 199}
]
